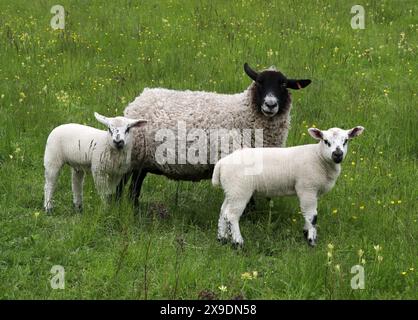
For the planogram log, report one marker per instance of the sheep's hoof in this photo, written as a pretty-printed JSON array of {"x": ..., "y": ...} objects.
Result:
[
  {"x": 237, "y": 245},
  {"x": 311, "y": 242},
  {"x": 78, "y": 207},
  {"x": 223, "y": 241}
]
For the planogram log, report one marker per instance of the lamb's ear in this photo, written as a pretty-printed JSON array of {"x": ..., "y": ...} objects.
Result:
[
  {"x": 102, "y": 119},
  {"x": 298, "y": 84},
  {"x": 137, "y": 123},
  {"x": 356, "y": 131},
  {"x": 250, "y": 72},
  {"x": 316, "y": 133}
]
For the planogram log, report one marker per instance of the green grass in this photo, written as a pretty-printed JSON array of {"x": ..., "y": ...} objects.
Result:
[{"x": 111, "y": 50}]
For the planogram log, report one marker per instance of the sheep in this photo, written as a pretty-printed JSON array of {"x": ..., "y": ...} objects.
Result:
[
  {"x": 107, "y": 154},
  {"x": 307, "y": 171},
  {"x": 264, "y": 105}
]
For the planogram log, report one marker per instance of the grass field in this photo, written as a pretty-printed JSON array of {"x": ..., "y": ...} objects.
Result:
[{"x": 110, "y": 50}]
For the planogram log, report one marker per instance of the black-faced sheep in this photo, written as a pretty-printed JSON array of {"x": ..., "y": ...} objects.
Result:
[{"x": 265, "y": 106}]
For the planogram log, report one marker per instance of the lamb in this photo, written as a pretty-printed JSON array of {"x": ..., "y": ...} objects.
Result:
[
  {"x": 307, "y": 171},
  {"x": 106, "y": 153},
  {"x": 264, "y": 105}
]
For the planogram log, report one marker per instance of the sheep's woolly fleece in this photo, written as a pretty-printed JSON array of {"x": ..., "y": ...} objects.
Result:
[{"x": 164, "y": 108}]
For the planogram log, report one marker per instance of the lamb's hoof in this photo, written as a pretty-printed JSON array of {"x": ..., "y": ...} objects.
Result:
[
  {"x": 48, "y": 210},
  {"x": 312, "y": 243},
  {"x": 223, "y": 241},
  {"x": 237, "y": 245},
  {"x": 78, "y": 208}
]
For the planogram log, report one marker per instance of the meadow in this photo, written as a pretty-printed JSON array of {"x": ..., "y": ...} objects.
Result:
[{"x": 110, "y": 50}]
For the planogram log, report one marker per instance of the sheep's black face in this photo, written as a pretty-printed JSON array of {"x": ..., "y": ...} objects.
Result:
[{"x": 271, "y": 93}]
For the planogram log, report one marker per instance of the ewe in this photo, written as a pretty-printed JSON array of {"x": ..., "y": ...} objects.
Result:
[
  {"x": 307, "y": 171},
  {"x": 106, "y": 153},
  {"x": 264, "y": 105}
]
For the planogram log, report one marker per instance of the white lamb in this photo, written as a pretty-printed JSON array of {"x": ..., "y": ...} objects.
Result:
[
  {"x": 307, "y": 171},
  {"x": 106, "y": 153}
]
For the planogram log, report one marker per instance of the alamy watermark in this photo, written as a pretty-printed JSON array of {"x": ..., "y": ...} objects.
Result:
[
  {"x": 199, "y": 146},
  {"x": 357, "y": 21},
  {"x": 58, "y": 279},
  {"x": 357, "y": 281},
  {"x": 58, "y": 20}
]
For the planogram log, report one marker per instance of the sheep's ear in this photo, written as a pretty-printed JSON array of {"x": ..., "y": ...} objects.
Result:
[
  {"x": 356, "y": 131},
  {"x": 137, "y": 123},
  {"x": 316, "y": 133},
  {"x": 102, "y": 119},
  {"x": 250, "y": 72},
  {"x": 298, "y": 84}
]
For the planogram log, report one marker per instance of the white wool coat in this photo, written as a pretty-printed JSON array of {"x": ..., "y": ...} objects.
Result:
[
  {"x": 86, "y": 148},
  {"x": 299, "y": 170},
  {"x": 163, "y": 108}
]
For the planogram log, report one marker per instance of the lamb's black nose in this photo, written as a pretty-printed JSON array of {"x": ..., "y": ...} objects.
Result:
[
  {"x": 119, "y": 144},
  {"x": 337, "y": 155}
]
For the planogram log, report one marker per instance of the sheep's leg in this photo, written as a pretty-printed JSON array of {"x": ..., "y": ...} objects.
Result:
[
  {"x": 77, "y": 187},
  {"x": 223, "y": 225},
  {"x": 138, "y": 177},
  {"x": 121, "y": 185},
  {"x": 308, "y": 205},
  {"x": 176, "y": 200},
  {"x": 233, "y": 212},
  {"x": 51, "y": 176}
]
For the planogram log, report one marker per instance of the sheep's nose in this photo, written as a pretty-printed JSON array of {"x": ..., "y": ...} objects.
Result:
[
  {"x": 337, "y": 155},
  {"x": 119, "y": 144},
  {"x": 271, "y": 104}
]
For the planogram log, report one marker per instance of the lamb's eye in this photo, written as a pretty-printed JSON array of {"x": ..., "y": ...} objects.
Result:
[
  {"x": 345, "y": 142},
  {"x": 110, "y": 130},
  {"x": 127, "y": 130},
  {"x": 327, "y": 143}
]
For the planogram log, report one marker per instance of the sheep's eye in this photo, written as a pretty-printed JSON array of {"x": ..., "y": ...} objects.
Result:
[
  {"x": 345, "y": 142},
  {"x": 110, "y": 130},
  {"x": 127, "y": 129},
  {"x": 327, "y": 143}
]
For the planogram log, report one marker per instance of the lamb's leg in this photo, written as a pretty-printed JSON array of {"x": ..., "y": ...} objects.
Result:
[
  {"x": 51, "y": 176},
  {"x": 308, "y": 206},
  {"x": 233, "y": 212},
  {"x": 77, "y": 187},
  {"x": 138, "y": 177},
  {"x": 223, "y": 225},
  {"x": 101, "y": 182}
]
